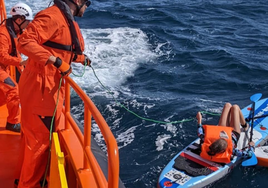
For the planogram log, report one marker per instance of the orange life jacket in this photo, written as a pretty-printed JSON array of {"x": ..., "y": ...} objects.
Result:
[
  {"x": 8, "y": 41},
  {"x": 213, "y": 133},
  {"x": 48, "y": 25},
  {"x": 8, "y": 50},
  {"x": 77, "y": 46}
]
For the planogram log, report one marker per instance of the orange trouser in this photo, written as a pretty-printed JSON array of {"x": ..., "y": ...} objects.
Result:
[
  {"x": 37, "y": 93},
  {"x": 9, "y": 95},
  {"x": 36, "y": 140}
]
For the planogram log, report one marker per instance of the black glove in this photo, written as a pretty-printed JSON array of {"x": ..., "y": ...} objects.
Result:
[
  {"x": 64, "y": 68},
  {"x": 87, "y": 61}
]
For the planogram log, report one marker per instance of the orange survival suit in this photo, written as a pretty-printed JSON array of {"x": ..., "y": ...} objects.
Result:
[
  {"x": 52, "y": 32},
  {"x": 212, "y": 133},
  {"x": 9, "y": 56}
]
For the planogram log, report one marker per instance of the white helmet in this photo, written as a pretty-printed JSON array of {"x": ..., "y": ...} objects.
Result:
[{"x": 23, "y": 10}]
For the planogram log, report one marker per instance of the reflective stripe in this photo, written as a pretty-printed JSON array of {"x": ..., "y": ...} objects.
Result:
[{"x": 8, "y": 81}]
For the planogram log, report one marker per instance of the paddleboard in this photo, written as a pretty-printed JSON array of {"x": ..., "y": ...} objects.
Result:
[{"x": 188, "y": 169}]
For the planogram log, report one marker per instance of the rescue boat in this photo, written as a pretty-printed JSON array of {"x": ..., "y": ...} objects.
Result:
[{"x": 76, "y": 159}]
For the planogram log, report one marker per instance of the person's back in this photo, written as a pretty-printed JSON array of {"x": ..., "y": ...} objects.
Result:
[
  {"x": 7, "y": 54},
  {"x": 54, "y": 29},
  {"x": 217, "y": 145}
]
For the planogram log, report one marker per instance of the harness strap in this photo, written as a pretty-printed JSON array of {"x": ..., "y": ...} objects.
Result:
[
  {"x": 58, "y": 46},
  {"x": 11, "y": 29},
  {"x": 64, "y": 8}
]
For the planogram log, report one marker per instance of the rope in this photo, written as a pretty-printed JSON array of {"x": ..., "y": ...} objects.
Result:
[
  {"x": 50, "y": 132},
  {"x": 52, "y": 121},
  {"x": 143, "y": 118},
  {"x": 84, "y": 70}
]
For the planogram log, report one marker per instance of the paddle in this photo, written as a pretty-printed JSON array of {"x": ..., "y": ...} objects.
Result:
[
  {"x": 253, "y": 160},
  {"x": 256, "y": 117},
  {"x": 254, "y": 98}
]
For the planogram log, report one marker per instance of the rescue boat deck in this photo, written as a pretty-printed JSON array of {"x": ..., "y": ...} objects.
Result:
[{"x": 9, "y": 151}]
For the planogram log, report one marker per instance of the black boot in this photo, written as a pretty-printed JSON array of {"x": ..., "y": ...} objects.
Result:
[{"x": 13, "y": 127}]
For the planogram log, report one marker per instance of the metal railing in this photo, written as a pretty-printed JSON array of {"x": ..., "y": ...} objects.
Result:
[{"x": 90, "y": 162}]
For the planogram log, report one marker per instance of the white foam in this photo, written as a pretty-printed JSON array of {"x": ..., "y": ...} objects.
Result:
[
  {"x": 115, "y": 54},
  {"x": 161, "y": 140},
  {"x": 125, "y": 138}
]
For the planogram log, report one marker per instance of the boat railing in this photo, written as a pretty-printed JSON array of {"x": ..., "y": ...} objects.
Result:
[{"x": 90, "y": 110}]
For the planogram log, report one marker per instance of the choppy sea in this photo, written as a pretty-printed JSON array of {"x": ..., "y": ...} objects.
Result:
[{"x": 165, "y": 60}]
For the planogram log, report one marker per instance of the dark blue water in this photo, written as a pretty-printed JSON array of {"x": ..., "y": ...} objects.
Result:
[
  {"x": 208, "y": 53},
  {"x": 166, "y": 60}
]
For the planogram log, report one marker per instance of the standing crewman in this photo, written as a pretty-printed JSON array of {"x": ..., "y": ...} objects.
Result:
[
  {"x": 9, "y": 30},
  {"x": 51, "y": 41}
]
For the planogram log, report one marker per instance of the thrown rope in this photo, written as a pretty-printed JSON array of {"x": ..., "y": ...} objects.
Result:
[
  {"x": 50, "y": 132},
  {"x": 143, "y": 118}
]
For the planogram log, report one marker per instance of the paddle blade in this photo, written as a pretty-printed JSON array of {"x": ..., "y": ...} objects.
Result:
[
  {"x": 255, "y": 97},
  {"x": 251, "y": 161}
]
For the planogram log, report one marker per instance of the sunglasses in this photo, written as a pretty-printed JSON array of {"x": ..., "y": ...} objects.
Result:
[{"x": 87, "y": 3}]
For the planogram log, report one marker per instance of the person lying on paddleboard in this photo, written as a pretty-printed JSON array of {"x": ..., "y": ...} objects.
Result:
[{"x": 219, "y": 143}]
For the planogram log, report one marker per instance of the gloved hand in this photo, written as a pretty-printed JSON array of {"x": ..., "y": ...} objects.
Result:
[
  {"x": 64, "y": 68},
  {"x": 87, "y": 61}
]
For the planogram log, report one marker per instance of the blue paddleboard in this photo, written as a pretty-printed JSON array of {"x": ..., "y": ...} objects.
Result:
[{"x": 188, "y": 169}]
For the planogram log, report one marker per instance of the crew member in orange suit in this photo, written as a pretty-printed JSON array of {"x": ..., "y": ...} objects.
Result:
[
  {"x": 10, "y": 28},
  {"x": 51, "y": 41}
]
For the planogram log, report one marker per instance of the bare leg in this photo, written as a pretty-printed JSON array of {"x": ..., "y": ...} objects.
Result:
[
  {"x": 225, "y": 115},
  {"x": 199, "y": 118},
  {"x": 242, "y": 118},
  {"x": 237, "y": 118}
]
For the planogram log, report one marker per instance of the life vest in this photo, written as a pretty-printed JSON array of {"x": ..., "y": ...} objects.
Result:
[
  {"x": 77, "y": 46},
  {"x": 213, "y": 133},
  {"x": 11, "y": 31}
]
